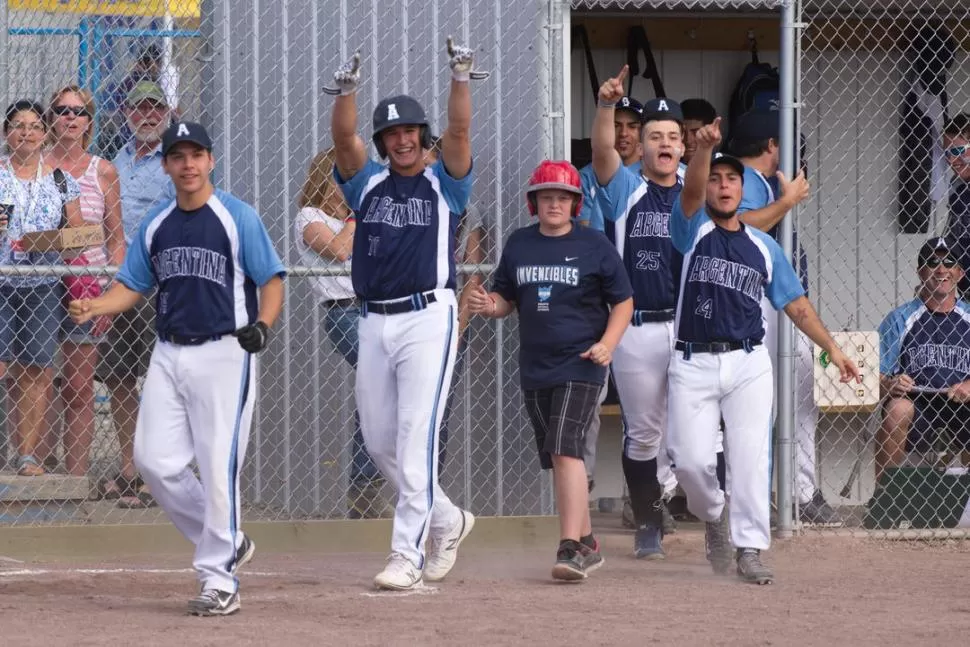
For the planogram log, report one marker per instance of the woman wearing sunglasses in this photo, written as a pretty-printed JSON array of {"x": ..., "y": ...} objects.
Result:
[
  {"x": 71, "y": 121},
  {"x": 31, "y": 308}
]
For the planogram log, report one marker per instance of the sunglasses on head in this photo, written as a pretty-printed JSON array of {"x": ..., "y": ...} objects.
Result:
[
  {"x": 957, "y": 151},
  {"x": 77, "y": 111},
  {"x": 936, "y": 261}
]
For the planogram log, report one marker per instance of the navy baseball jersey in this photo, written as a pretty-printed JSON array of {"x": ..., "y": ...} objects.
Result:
[
  {"x": 933, "y": 348},
  {"x": 562, "y": 287},
  {"x": 637, "y": 217},
  {"x": 406, "y": 229},
  {"x": 759, "y": 192},
  {"x": 207, "y": 264},
  {"x": 726, "y": 275},
  {"x": 591, "y": 212}
]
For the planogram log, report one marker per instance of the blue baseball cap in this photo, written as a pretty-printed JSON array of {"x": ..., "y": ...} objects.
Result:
[
  {"x": 758, "y": 125},
  {"x": 728, "y": 160},
  {"x": 662, "y": 109},
  {"x": 185, "y": 131},
  {"x": 631, "y": 104},
  {"x": 933, "y": 247}
]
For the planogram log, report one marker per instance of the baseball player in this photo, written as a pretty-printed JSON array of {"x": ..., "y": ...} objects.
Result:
[
  {"x": 220, "y": 289},
  {"x": 574, "y": 301},
  {"x": 924, "y": 363},
  {"x": 636, "y": 208},
  {"x": 404, "y": 275},
  {"x": 626, "y": 126},
  {"x": 721, "y": 369},
  {"x": 697, "y": 114}
]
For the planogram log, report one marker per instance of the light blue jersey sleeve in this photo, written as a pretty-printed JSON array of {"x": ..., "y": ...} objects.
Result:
[
  {"x": 890, "y": 338},
  {"x": 684, "y": 230},
  {"x": 614, "y": 196},
  {"x": 136, "y": 272},
  {"x": 455, "y": 192},
  {"x": 260, "y": 262},
  {"x": 755, "y": 194},
  {"x": 590, "y": 213},
  {"x": 354, "y": 187},
  {"x": 784, "y": 286}
]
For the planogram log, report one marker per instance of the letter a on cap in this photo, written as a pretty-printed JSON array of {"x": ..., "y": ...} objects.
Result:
[
  {"x": 392, "y": 112},
  {"x": 662, "y": 106},
  {"x": 183, "y": 130}
]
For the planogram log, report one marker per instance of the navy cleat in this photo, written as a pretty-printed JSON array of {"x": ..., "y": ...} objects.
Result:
[{"x": 648, "y": 543}]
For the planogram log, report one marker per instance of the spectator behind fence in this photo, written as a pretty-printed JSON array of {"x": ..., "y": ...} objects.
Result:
[
  {"x": 924, "y": 365},
  {"x": 325, "y": 238},
  {"x": 125, "y": 355},
  {"x": 31, "y": 308},
  {"x": 115, "y": 130},
  {"x": 70, "y": 118},
  {"x": 469, "y": 249},
  {"x": 956, "y": 147}
]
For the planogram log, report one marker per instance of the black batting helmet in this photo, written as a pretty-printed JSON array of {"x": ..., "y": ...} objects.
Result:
[{"x": 400, "y": 110}]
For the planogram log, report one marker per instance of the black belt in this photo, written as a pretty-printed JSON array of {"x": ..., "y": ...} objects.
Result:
[
  {"x": 690, "y": 347},
  {"x": 341, "y": 303},
  {"x": 182, "y": 340},
  {"x": 641, "y": 317},
  {"x": 413, "y": 303}
]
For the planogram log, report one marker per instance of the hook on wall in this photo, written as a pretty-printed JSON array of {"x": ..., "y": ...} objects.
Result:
[{"x": 753, "y": 46}]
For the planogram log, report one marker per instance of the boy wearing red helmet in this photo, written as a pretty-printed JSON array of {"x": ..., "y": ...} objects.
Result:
[{"x": 574, "y": 301}]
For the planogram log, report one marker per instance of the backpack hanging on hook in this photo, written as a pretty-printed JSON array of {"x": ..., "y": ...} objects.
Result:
[{"x": 637, "y": 42}]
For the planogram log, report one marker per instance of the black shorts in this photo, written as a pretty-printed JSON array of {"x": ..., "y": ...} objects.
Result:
[
  {"x": 935, "y": 414},
  {"x": 560, "y": 416}
]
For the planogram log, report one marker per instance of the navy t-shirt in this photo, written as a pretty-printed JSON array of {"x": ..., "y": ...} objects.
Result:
[
  {"x": 933, "y": 348},
  {"x": 562, "y": 287},
  {"x": 406, "y": 229},
  {"x": 726, "y": 275}
]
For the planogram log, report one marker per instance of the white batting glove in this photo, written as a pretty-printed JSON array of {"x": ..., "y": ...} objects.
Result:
[
  {"x": 347, "y": 77},
  {"x": 460, "y": 60}
]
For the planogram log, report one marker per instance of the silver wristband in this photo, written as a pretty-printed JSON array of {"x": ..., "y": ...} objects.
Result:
[{"x": 603, "y": 104}]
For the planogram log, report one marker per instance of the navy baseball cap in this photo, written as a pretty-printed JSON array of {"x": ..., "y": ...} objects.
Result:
[
  {"x": 932, "y": 248},
  {"x": 631, "y": 104},
  {"x": 662, "y": 110},
  {"x": 720, "y": 159},
  {"x": 757, "y": 125},
  {"x": 185, "y": 131}
]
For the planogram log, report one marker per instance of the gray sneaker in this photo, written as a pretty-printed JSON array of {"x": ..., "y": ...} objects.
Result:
[
  {"x": 819, "y": 513},
  {"x": 750, "y": 568},
  {"x": 717, "y": 543},
  {"x": 212, "y": 602},
  {"x": 669, "y": 525}
]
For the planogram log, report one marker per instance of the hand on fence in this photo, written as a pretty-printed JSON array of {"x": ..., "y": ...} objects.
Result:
[
  {"x": 847, "y": 368},
  {"x": 959, "y": 392},
  {"x": 709, "y": 136},
  {"x": 901, "y": 385},
  {"x": 480, "y": 303},
  {"x": 253, "y": 338},
  {"x": 598, "y": 353},
  {"x": 612, "y": 89},
  {"x": 347, "y": 77},
  {"x": 794, "y": 192},
  {"x": 461, "y": 60},
  {"x": 102, "y": 325},
  {"x": 80, "y": 311}
]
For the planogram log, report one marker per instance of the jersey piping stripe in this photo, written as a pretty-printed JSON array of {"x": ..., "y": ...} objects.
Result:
[
  {"x": 238, "y": 276},
  {"x": 371, "y": 183},
  {"x": 619, "y": 231},
  {"x": 234, "y": 458},
  {"x": 769, "y": 266},
  {"x": 704, "y": 230},
  {"x": 443, "y": 257},
  {"x": 433, "y": 431},
  {"x": 154, "y": 225}
]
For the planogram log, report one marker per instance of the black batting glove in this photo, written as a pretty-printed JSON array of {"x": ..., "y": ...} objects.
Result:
[{"x": 253, "y": 338}]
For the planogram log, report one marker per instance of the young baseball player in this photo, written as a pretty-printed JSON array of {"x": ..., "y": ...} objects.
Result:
[
  {"x": 697, "y": 114},
  {"x": 220, "y": 289},
  {"x": 573, "y": 297},
  {"x": 404, "y": 275},
  {"x": 636, "y": 207},
  {"x": 721, "y": 369}
]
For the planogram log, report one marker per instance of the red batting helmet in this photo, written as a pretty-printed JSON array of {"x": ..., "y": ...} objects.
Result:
[{"x": 554, "y": 175}]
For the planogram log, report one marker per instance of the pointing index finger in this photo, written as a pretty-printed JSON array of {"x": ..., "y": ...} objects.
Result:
[
  {"x": 623, "y": 72},
  {"x": 451, "y": 46}
]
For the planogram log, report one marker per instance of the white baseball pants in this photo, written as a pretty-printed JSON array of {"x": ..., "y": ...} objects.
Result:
[
  {"x": 404, "y": 367},
  {"x": 197, "y": 404},
  {"x": 640, "y": 364},
  {"x": 806, "y": 412},
  {"x": 738, "y": 387}
]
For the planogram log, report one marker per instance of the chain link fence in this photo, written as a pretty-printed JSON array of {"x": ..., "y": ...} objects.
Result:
[{"x": 253, "y": 76}]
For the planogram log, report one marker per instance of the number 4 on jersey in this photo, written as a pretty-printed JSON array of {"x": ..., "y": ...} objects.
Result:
[{"x": 704, "y": 308}]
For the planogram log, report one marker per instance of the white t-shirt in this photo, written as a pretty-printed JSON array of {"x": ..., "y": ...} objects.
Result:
[{"x": 327, "y": 288}]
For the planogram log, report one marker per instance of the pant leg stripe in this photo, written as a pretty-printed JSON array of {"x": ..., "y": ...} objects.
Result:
[{"x": 234, "y": 457}]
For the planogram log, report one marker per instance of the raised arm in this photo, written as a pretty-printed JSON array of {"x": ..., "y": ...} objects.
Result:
[
  {"x": 606, "y": 160},
  {"x": 350, "y": 151},
  {"x": 699, "y": 170},
  {"x": 456, "y": 143},
  {"x": 792, "y": 194}
]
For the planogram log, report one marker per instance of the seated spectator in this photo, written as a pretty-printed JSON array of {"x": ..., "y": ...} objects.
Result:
[
  {"x": 71, "y": 119},
  {"x": 956, "y": 147},
  {"x": 325, "y": 238},
  {"x": 925, "y": 346},
  {"x": 31, "y": 308}
]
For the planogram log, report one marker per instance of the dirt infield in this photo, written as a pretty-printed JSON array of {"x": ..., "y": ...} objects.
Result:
[{"x": 830, "y": 591}]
